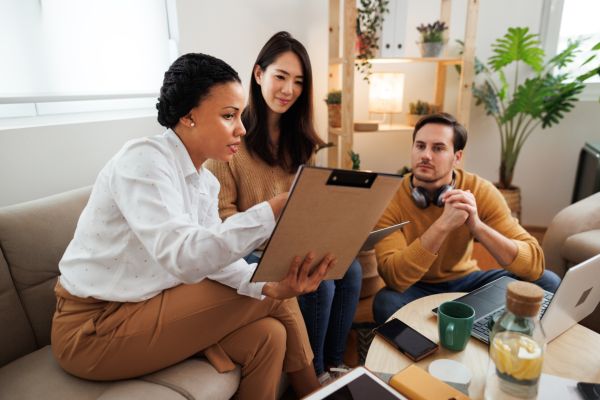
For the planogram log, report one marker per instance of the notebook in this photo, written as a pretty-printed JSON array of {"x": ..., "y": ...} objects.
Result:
[{"x": 576, "y": 297}]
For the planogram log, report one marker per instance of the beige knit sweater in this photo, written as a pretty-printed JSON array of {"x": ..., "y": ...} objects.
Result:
[{"x": 247, "y": 180}]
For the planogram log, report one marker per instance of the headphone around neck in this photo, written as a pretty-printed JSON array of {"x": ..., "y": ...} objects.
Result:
[{"x": 422, "y": 198}]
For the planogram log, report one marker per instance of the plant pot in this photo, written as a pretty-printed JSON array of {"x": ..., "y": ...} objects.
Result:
[
  {"x": 431, "y": 49},
  {"x": 335, "y": 115},
  {"x": 412, "y": 119},
  {"x": 513, "y": 199}
]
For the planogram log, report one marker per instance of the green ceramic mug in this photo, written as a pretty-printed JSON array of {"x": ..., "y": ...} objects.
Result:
[{"x": 455, "y": 321}]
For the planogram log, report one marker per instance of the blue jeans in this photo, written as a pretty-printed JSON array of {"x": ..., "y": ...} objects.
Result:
[
  {"x": 328, "y": 313},
  {"x": 387, "y": 301}
]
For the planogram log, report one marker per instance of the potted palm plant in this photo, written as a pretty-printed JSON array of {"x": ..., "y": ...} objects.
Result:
[
  {"x": 432, "y": 38},
  {"x": 522, "y": 92}
]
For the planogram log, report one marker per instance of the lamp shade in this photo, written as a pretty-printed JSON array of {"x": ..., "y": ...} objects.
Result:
[{"x": 386, "y": 90}]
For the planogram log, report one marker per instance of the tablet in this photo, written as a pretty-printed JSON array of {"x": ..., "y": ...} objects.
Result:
[
  {"x": 358, "y": 384},
  {"x": 379, "y": 234}
]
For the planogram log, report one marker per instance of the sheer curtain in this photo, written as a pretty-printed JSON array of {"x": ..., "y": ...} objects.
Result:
[{"x": 57, "y": 53}]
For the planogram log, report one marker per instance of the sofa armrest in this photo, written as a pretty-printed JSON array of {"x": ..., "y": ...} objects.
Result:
[
  {"x": 578, "y": 217},
  {"x": 581, "y": 246}
]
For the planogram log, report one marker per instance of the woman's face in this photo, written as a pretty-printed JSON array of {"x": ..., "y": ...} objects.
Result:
[
  {"x": 217, "y": 127},
  {"x": 281, "y": 82}
]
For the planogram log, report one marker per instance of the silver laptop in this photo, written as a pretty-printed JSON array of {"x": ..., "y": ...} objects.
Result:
[{"x": 576, "y": 297}]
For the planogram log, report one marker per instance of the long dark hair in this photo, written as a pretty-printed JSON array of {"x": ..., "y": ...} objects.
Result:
[
  {"x": 298, "y": 139},
  {"x": 188, "y": 81}
]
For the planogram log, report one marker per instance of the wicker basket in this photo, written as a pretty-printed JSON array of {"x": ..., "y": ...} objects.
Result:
[
  {"x": 335, "y": 115},
  {"x": 513, "y": 198}
]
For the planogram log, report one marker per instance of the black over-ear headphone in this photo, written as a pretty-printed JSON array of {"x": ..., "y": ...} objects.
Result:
[{"x": 422, "y": 198}]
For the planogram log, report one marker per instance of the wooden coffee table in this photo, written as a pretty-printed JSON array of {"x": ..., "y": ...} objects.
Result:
[{"x": 575, "y": 354}]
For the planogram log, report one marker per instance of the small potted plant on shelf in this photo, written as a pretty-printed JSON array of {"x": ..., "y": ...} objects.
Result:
[
  {"x": 334, "y": 104},
  {"x": 355, "y": 158},
  {"x": 432, "y": 38},
  {"x": 418, "y": 109}
]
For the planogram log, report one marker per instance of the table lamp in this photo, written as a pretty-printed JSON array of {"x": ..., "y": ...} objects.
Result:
[{"x": 385, "y": 93}]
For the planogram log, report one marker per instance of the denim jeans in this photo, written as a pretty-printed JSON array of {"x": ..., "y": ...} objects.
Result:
[
  {"x": 328, "y": 313},
  {"x": 387, "y": 301}
]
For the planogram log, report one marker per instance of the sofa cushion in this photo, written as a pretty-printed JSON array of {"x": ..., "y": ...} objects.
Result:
[
  {"x": 33, "y": 238},
  {"x": 139, "y": 390},
  {"x": 581, "y": 246},
  {"x": 38, "y": 376},
  {"x": 16, "y": 335},
  {"x": 195, "y": 378}
]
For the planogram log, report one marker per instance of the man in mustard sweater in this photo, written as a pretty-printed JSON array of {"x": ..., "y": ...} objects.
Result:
[{"x": 448, "y": 209}]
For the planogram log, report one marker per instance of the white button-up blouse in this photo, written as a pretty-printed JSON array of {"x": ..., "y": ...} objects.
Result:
[{"x": 152, "y": 223}]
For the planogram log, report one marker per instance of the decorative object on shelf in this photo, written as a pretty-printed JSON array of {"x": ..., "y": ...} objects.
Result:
[
  {"x": 366, "y": 126},
  {"x": 334, "y": 105},
  {"x": 369, "y": 19},
  {"x": 418, "y": 109},
  {"x": 432, "y": 38},
  {"x": 404, "y": 170},
  {"x": 540, "y": 95},
  {"x": 386, "y": 91},
  {"x": 355, "y": 159}
]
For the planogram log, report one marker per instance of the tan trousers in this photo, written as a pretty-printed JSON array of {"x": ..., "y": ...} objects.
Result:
[{"x": 101, "y": 340}]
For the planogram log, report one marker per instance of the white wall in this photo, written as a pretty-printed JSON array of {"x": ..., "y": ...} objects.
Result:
[
  {"x": 36, "y": 162},
  {"x": 547, "y": 165},
  {"x": 236, "y": 31}
]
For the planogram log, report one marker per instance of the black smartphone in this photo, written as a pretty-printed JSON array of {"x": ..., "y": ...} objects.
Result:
[
  {"x": 410, "y": 342},
  {"x": 589, "y": 391}
]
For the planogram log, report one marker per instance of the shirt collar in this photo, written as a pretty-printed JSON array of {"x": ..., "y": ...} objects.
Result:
[{"x": 182, "y": 156}]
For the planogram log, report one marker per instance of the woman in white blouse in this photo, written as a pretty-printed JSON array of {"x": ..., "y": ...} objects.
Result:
[{"x": 152, "y": 275}]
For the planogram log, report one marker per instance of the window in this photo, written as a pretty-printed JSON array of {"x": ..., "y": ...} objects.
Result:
[
  {"x": 69, "y": 56},
  {"x": 564, "y": 20}
]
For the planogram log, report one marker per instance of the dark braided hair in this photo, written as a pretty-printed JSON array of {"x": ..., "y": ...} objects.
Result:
[{"x": 187, "y": 82}]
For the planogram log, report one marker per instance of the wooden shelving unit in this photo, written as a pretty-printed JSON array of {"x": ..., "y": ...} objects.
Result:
[{"x": 341, "y": 72}]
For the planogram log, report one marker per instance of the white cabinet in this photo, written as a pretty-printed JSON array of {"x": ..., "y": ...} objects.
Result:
[{"x": 393, "y": 31}]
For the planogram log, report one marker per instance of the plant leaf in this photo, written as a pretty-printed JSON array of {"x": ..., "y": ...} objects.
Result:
[
  {"x": 517, "y": 45},
  {"x": 528, "y": 99},
  {"x": 561, "y": 98},
  {"x": 566, "y": 56},
  {"x": 485, "y": 94}
]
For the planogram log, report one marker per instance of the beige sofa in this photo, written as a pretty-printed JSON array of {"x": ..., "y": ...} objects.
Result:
[
  {"x": 33, "y": 237},
  {"x": 573, "y": 236}
]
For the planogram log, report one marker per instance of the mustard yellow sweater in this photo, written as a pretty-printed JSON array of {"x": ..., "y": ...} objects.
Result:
[
  {"x": 247, "y": 180},
  {"x": 402, "y": 260}
]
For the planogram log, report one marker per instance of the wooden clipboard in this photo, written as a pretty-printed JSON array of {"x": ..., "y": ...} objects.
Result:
[{"x": 328, "y": 210}]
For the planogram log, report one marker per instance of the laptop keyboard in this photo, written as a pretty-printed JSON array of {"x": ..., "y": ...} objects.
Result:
[{"x": 481, "y": 328}]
